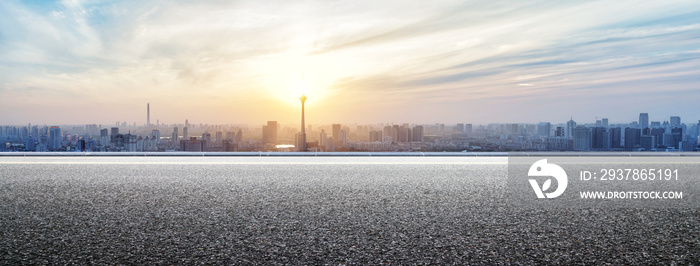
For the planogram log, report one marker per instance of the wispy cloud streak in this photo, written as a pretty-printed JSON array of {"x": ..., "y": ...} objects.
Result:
[{"x": 506, "y": 61}]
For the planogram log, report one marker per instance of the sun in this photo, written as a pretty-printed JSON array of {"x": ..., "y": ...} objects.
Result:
[
  {"x": 290, "y": 77},
  {"x": 288, "y": 88}
]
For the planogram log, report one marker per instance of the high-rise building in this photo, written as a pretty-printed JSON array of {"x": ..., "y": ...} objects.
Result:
[
  {"x": 675, "y": 121},
  {"x": 229, "y": 145},
  {"x": 648, "y": 142},
  {"x": 668, "y": 140},
  {"x": 336, "y": 131},
  {"x": 543, "y": 129},
  {"x": 404, "y": 134},
  {"x": 155, "y": 136},
  {"x": 459, "y": 128},
  {"x": 269, "y": 132},
  {"x": 375, "y": 135},
  {"x": 599, "y": 138},
  {"x": 130, "y": 142},
  {"x": 468, "y": 128},
  {"x": 174, "y": 137},
  {"x": 104, "y": 137},
  {"x": 193, "y": 145},
  {"x": 148, "y": 114},
  {"x": 55, "y": 138},
  {"x": 582, "y": 138},
  {"x": 329, "y": 145},
  {"x": 343, "y": 135},
  {"x": 388, "y": 134},
  {"x": 184, "y": 133},
  {"x": 418, "y": 133},
  {"x": 632, "y": 138},
  {"x": 219, "y": 138},
  {"x": 29, "y": 144},
  {"x": 239, "y": 135},
  {"x": 35, "y": 132},
  {"x": 605, "y": 122},
  {"x": 677, "y": 134},
  {"x": 323, "y": 139},
  {"x": 615, "y": 137},
  {"x": 643, "y": 120},
  {"x": 570, "y": 126},
  {"x": 658, "y": 132},
  {"x": 206, "y": 137},
  {"x": 559, "y": 132}
]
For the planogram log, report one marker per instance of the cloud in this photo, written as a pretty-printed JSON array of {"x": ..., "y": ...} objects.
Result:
[{"x": 363, "y": 54}]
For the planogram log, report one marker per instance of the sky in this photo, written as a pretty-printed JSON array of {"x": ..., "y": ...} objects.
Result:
[{"x": 247, "y": 62}]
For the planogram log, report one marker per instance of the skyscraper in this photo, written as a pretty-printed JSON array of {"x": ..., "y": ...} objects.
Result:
[
  {"x": 375, "y": 135},
  {"x": 675, "y": 121},
  {"x": 615, "y": 137},
  {"x": 206, "y": 137},
  {"x": 343, "y": 138},
  {"x": 643, "y": 120},
  {"x": 632, "y": 138},
  {"x": 239, "y": 135},
  {"x": 468, "y": 128},
  {"x": 648, "y": 142},
  {"x": 114, "y": 132},
  {"x": 104, "y": 137},
  {"x": 269, "y": 132},
  {"x": 388, "y": 133},
  {"x": 558, "y": 132},
  {"x": 582, "y": 138},
  {"x": 219, "y": 138},
  {"x": 570, "y": 126},
  {"x": 677, "y": 134},
  {"x": 175, "y": 135},
  {"x": 336, "y": 131},
  {"x": 323, "y": 138},
  {"x": 659, "y": 134},
  {"x": 55, "y": 138},
  {"x": 543, "y": 129},
  {"x": 418, "y": 133},
  {"x": 29, "y": 144},
  {"x": 600, "y": 138},
  {"x": 148, "y": 114},
  {"x": 155, "y": 136}
]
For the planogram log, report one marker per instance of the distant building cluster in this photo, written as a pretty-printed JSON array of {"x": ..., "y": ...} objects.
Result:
[{"x": 640, "y": 135}]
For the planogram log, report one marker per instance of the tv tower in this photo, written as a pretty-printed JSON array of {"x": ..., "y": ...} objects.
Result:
[{"x": 302, "y": 141}]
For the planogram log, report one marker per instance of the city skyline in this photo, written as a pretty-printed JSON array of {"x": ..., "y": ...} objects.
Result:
[
  {"x": 85, "y": 62},
  {"x": 641, "y": 135}
]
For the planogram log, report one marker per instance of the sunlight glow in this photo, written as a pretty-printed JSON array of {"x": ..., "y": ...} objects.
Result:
[{"x": 291, "y": 76}]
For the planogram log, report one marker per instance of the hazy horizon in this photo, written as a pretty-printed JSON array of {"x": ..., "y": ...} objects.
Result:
[{"x": 94, "y": 62}]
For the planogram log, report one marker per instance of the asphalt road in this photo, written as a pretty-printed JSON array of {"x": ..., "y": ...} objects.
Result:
[{"x": 316, "y": 210}]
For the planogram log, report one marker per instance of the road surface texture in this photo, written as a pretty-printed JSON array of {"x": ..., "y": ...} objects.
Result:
[{"x": 310, "y": 210}]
